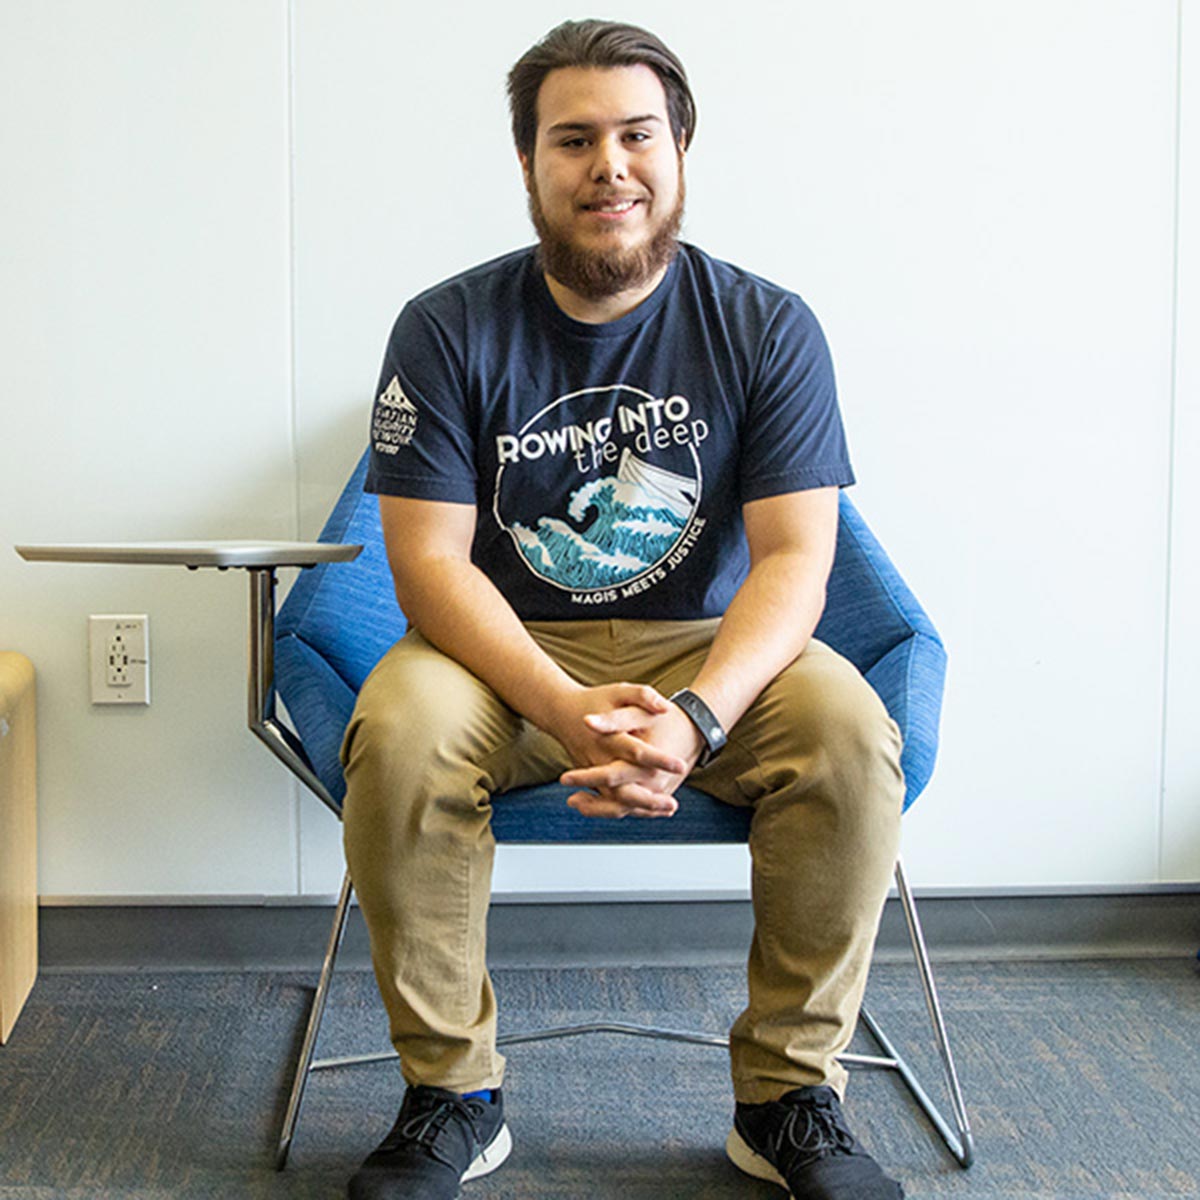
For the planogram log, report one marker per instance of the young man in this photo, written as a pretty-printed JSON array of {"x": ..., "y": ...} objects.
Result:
[{"x": 608, "y": 470}]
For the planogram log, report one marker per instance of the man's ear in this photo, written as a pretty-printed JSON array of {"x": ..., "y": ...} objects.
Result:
[{"x": 526, "y": 169}]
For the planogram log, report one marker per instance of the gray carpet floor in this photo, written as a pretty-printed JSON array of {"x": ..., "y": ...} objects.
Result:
[{"x": 1082, "y": 1082}]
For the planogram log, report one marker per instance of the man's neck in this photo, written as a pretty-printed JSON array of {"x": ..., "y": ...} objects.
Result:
[{"x": 605, "y": 309}]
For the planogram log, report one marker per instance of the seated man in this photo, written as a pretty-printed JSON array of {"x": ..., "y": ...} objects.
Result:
[{"x": 608, "y": 470}]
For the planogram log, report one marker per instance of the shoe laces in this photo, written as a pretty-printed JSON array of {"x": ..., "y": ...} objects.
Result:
[
  {"x": 810, "y": 1131},
  {"x": 429, "y": 1119}
]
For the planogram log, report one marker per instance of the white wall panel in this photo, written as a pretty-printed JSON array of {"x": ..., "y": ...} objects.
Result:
[
  {"x": 144, "y": 331},
  {"x": 1000, "y": 304}
]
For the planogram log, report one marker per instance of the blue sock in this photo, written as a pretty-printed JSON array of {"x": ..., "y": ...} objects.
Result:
[{"x": 486, "y": 1094}]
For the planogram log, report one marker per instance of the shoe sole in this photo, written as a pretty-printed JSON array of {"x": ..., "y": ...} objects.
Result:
[
  {"x": 491, "y": 1156},
  {"x": 751, "y": 1162}
]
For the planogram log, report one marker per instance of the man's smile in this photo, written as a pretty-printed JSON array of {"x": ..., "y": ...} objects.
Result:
[{"x": 612, "y": 207}]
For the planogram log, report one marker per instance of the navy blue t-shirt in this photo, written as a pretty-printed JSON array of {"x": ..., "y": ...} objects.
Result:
[{"x": 608, "y": 463}]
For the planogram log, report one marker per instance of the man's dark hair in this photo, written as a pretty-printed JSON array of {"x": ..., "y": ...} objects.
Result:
[{"x": 596, "y": 44}]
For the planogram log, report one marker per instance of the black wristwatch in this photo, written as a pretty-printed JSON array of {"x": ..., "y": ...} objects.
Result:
[{"x": 705, "y": 721}]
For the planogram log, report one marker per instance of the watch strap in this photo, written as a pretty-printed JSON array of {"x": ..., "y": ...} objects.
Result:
[{"x": 705, "y": 721}]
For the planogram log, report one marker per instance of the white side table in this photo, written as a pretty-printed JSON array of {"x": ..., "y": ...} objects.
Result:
[{"x": 260, "y": 560}]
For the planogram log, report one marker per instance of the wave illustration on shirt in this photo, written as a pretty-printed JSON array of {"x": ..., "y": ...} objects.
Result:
[{"x": 617, "y": 527}]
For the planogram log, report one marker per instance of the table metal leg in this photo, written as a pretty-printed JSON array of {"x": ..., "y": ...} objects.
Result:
[{"x": 261, "y": 685}]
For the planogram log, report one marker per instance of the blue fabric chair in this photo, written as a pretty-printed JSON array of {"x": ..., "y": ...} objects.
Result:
[{"x": 340, "y": 618}]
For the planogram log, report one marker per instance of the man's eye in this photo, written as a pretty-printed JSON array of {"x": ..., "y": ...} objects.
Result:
[
  {"x": 573, "y": 143},
  {"x": 639, "y": 137}
]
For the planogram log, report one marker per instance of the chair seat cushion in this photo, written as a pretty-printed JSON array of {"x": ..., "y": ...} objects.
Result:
[{"x": 540, "y": 814}]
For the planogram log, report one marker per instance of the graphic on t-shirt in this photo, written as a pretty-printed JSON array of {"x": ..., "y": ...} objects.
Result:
[
  {"x": 395, "y": 419},
  {"x": 601, "y": 487}
]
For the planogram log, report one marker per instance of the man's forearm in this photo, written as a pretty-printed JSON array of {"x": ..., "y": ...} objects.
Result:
[
  {"x": 766, "y": 627},
  {"x": 457, "y": 608}
]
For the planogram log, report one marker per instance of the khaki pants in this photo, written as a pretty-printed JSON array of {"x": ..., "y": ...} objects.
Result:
[{"x": 816, "y": 757}]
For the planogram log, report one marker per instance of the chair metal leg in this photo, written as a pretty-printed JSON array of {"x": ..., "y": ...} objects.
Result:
[
  {"x": 962, "y": 1145},
  {"x": 631, "y": 1030},
  {"x": 304, "y": 1064}
]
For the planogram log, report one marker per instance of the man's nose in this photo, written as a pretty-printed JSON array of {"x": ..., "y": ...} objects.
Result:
[{"x": 610, "y": 162}]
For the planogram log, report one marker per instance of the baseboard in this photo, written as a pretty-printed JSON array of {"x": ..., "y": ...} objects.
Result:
[{"x": 270, "y": 936}]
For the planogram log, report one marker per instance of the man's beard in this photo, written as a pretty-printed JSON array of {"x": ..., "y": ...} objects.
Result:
[{"x": 598, "y": 274}]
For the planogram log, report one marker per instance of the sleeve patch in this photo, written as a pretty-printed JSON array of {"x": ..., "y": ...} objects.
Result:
[{"x": 395, "y": 419}]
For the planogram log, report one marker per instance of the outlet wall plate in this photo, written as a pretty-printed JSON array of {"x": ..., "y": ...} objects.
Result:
[{"x": 119, "y": 658}]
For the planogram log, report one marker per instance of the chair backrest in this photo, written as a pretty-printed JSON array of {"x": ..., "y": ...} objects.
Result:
[{"x": 339, "y": 619}]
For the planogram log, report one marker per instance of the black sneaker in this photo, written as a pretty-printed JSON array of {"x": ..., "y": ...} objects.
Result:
[
  {"x": 802, "y": 1143},
  {"x": 439, "y": 1139}
]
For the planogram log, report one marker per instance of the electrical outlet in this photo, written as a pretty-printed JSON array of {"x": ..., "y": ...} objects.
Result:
[
  {"x": 116, "y": 661},
  {"x": 119, "y": 655}
]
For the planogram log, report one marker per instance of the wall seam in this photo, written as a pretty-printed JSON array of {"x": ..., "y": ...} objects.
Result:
[
  {"x": 293, "y": 415},
  {"x": 1173, "y": 390}
]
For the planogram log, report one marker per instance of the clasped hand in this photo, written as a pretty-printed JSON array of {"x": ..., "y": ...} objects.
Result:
[{"x": 633, "y": 748}]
